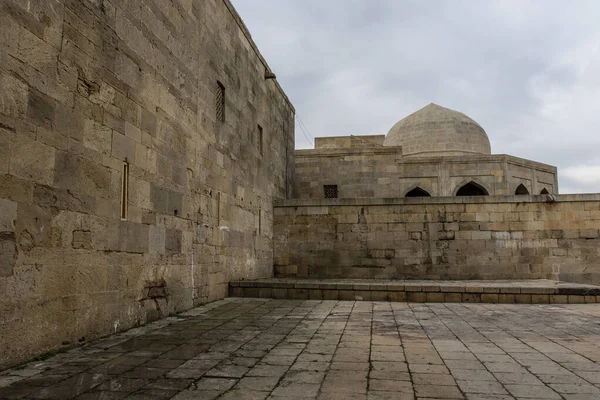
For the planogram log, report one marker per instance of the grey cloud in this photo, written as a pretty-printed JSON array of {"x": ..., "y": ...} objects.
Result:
[{"x": 522, "y": 68}]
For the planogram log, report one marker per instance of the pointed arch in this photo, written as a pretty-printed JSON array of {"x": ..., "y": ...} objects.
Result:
[
  {"x": 521, "y": 190},
  {"x": 417, "y": 192},
  {"x": 544, "y": 191},
  {"x": 472, "y": 188}
]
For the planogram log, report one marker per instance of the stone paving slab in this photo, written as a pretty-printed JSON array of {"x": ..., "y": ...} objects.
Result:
[
  {"x": 242, "y": 348},
  {"x": 535, "y": 291}
]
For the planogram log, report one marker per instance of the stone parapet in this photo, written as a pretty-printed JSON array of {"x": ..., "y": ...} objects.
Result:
[{"x": 495, "y": 237}]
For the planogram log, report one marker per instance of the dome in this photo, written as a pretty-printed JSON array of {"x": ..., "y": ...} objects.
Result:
[{"x": 438, "y": 131}]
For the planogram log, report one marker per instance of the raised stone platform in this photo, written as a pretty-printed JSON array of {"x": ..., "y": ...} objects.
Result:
[{"x": 539, "y": 291}]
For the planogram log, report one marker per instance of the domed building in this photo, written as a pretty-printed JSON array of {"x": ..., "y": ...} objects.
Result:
[
  {"x": 434, "y": 151},
  {"x": 438, "y": 131}
]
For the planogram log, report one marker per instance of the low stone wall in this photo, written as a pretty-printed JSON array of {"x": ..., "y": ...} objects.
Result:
[
  {"x": 539, "y": 291},
  {"x": 509, "y": 237}
]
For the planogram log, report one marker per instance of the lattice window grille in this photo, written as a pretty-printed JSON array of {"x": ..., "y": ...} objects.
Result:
[
  {"x": 220, "y": 102},
  {"x": 331, "y": 191}
]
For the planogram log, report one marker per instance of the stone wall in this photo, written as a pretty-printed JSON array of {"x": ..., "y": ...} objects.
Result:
[
  {"x": 382, "y": 172},
  {"x": 512, "y": 237},
  {"x": 346, "y": 142},
  {"x": 89, "y": 86}
]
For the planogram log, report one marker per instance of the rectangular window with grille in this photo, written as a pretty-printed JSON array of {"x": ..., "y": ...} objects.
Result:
[
  {"x": 259, "y": 143},
  {"x": 331, "y": 191},
  {"x": 220, "y": 102}
]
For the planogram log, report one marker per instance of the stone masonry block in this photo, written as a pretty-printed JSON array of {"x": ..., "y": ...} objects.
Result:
[
  {"x": 523, "y": 298},
  {"x": 96, "y": 136},
  {"x": 433, "y": 297},
  {"x": 13, "y": 96},
  {"x": 416, "y": 297},
  {"x": 8, "y": 215},
  {"x": 32, "y": 160},
  {"x": 489, "y": 298},
  {"x": 575, "y": 299},
  {"x": 397, "y": 296},
  {"x": 452, "y": 297},
  {"x": 559, "y": 299},
  {"x": 330, "y": 294},
  {"x": 82, "y": 239},
  {"x": 8, "y": 249},
  {"x": 280, "y": 293},
  {"x": 378, "y": 295},
  {"x": 471, "y": 298},
  {"x": 362, "y": 295},
  {"x": 122, "y": 147},
  {"x": 346, "y": 295}
]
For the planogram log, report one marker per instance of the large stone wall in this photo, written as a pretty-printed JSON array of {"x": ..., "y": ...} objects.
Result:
[
  {"x": 382, "y": 172},
  {"x": 509, "y": 237},
  {"x": 87, "y": 86}
]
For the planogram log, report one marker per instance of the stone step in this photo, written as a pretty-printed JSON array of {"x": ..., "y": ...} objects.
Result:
[{"x": 538, "y": 291}]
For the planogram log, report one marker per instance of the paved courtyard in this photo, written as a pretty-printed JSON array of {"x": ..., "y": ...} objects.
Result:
[{"x": 237, "y": 349}]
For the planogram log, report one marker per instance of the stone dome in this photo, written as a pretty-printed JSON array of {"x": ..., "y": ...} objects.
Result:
[{"x": 438, "y": 131}]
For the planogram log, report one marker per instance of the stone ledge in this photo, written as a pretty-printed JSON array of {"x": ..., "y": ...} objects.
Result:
[
  {"x": 510, "y": 292},
  {"x": 283, "y": 203}
]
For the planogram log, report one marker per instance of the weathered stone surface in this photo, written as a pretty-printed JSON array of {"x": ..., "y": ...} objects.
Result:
[
  {"x": 528, "y": 239},
  {"x": 8, "y": 215},
  {"x": 8, "y": 249},
  {"x": 89, "y": 85},
  {"x": 259, "y": 349},
  {"x": 362, "y": 168}
]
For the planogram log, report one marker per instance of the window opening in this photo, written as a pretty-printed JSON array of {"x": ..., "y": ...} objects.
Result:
[
  {"x": 544, "y": 191},
  {"x": 331, "y": 191},
  {"x": 260, "y": 221},
  {"x": 220, "y": 102},
  {"x": 124, "y": 190},
  {"x": 521, "y": 190},
  {"x": 259, "y": 144},
  {"x": 417, "y": 192},
  {"x": 218, "y": 208},
  {"x": 472, "y": 189}
]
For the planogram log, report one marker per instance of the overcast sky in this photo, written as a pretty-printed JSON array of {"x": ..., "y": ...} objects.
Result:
[{"x": 527, "y": 71}]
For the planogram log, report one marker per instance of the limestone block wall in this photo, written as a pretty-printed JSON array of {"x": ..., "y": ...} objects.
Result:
[
  {"x": 383, "y": 172},
  {"x": 508, "y": 237},
  {"x": 366, "y": 172},
  {"x": 91, "y": 89},
  {"x": 354, "y": 141}
]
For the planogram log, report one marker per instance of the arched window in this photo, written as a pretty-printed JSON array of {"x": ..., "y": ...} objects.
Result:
[
  {"x": 417, "y": 192},
  {"x": 472, "y": 189},
  {"x": 521, "y": 190},
  {"x": 544, "y": 191}
]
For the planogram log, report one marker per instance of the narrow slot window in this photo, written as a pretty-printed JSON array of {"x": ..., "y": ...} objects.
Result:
[
  {"x": 218, "y": 208},
  {"x": 124, "y": 190},
  {"x": 260, "y": 221},
  {"x": 220, "y": 102},
  {"x": 259, "y": 143}
]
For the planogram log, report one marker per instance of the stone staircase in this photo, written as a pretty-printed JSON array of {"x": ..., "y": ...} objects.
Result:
[{"x": 539, "y": 291}]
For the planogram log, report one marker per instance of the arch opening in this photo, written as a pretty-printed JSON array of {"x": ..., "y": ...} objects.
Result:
[
  {"x": 521, "y": 190},
  {"x": 472, "y": 189},
  {"x": 417, "y": 192},
  {"x": 544, "y": 191}
]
